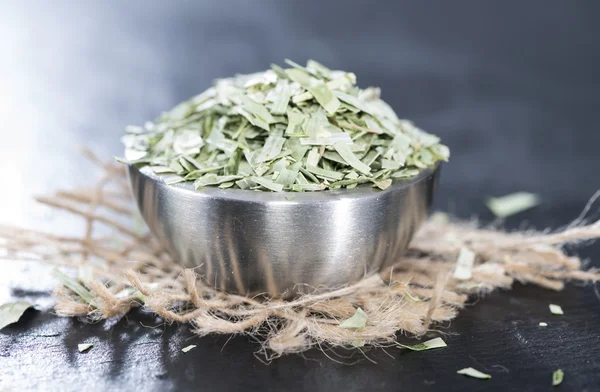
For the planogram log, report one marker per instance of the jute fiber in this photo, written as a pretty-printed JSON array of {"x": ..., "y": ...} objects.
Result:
[{"x": 127, "y": 269}]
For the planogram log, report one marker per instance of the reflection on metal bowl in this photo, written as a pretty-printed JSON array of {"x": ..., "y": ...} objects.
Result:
[{"x": 251, "y": 242}]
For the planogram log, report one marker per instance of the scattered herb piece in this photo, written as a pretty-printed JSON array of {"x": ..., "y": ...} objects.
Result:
[
  {"x": 358, "y": 343},
  {"x": 412, "y": 297},
  {"x": 357, "y": 321},
  {"x": 474, "y": 373},
  {"x": 296, "y": 129},
  {"x": 543, "y": 324},
  {"x": 464, "y": 264},
  {"x": 512, "y": 204},
  {"x": 11, "y": 312},
  {"x": 383, "y": 184},
  {"x": 346, "y": 153},
  {"x": 84, "y": 347},
  {"x": 73, "y": 285},
  {"x": 556, "y": 309},
  {"x": 428, "y": 345},
  {"x": 188, "y": 348},
  {"x": 557, "y": 377}
]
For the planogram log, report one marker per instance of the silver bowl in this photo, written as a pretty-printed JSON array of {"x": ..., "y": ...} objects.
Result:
[{"x": 251, "y": 242}]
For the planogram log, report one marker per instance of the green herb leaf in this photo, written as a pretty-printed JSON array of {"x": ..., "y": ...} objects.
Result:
[
  {"x": 270, "y": 185},
  {"x": 325, "y": 97},
  {"x": 474, "y": 373},
  {"x": 283, "y": 92},
  {"x": 327, "y": 139},
  {"x": 353, "y": 101},
  {"x": 257, "y": 110},
  {"x": 357, "y": 321},
  {"x": 161, "y": 169},
  {"x": 405, "y": 173},
  {"x": 213, "y": 179},
  {"x": 318, "y": 69},
  {"x": 271, "y": 149},
  {"x": 243, "y": 127},
  {"x": 11, "y": 312},
  {"x": 308, "y": 187},
  {"x": 556, "y": 309},
  {"x": 383, "y": 184},
  {"x": 299, "y": 76},
  {"x": 84, "y": 347},
  {"x": 557, "y": 377},
  {"x": 317, "y": 122},
  {"x": 295, "y": 121},
  {"x": 351, "y": 159},
  {"x": 73, "y": 285},
  {"x": 188, "y": 348},
  {"x": 512, "y": 204},
  {"x": 322, "y": 173},
  {"x": 428, "y": 345},
  {"x": 464, "y": 264},
  {"x": 287, "y": 176},
  {"x": 173, "y": 179}
]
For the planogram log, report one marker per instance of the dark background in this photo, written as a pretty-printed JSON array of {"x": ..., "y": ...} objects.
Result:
[{"x": 512, "y": 88}]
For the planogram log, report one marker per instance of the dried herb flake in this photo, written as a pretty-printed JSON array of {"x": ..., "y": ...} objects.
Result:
[
  {"x": 474, "y": 373},
  {"x": 428, "y": 345},
  {"x": 557, "y": 377},
  {"x": 296, "y": 129},
  {"x": 357, "y": 321},
  {"x": 84, "y": 347},
  {"x": 556, "y": 309},
  {"x": 512, "y": 204},
  {"x": 188, "y": 348},
  {"x": 11, "y": 312},
  {"x": 464, "y": 264}
]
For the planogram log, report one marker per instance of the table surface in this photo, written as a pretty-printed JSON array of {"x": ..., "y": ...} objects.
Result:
[{"x": 511, "y": 87}]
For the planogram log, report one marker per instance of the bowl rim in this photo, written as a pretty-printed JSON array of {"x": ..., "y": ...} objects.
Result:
[{"x": 361, "y": 191}]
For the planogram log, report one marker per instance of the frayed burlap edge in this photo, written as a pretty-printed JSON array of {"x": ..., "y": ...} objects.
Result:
[{"x": 128, "y": 269}]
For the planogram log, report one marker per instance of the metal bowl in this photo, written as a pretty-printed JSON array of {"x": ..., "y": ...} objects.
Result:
[{"x": 250, "y": 242}]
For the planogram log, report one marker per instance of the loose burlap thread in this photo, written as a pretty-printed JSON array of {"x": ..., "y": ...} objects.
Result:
[{"x": 128, "y": 269}]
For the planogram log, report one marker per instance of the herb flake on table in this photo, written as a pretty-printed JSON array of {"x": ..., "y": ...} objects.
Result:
[
  {"x": 428, "y": 345},
  {"x": 188, "y": 348},
  {"x": 11, "y": 312},
  {"x": 557, "y": 377},
  {"x": 474, "y": 373},
  {"x": 556, "y": 310},
  {"x": 82, "y": 347}
]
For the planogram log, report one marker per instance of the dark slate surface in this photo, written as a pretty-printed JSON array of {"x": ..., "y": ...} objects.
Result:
[{"x": 511, "y": 86}]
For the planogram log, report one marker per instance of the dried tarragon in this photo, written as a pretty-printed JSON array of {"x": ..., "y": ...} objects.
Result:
[
  {"x": 11, "y": 312},
  {"x": 296, "y": 129}
]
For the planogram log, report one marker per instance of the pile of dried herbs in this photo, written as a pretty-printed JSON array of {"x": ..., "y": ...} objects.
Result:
[{"x": 296, "y": 129}]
